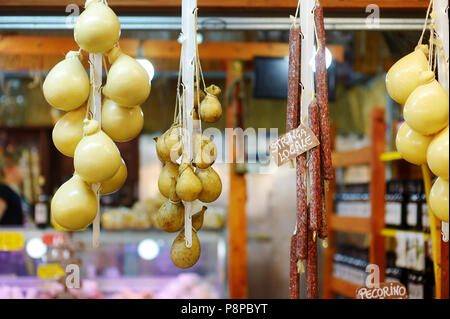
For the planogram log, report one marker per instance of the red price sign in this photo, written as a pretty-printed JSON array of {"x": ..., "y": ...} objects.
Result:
[{"x": 54, "y": 239}]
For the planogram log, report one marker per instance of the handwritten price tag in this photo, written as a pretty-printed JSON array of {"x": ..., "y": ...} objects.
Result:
[
  {"x": 50, "y": 271},
  {"x": 11, "y": 241},
  {"x": 292, "y": 144}
]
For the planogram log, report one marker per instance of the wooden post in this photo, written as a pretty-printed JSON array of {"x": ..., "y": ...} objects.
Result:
[
  {"x": 377, "y": 192},
  {"x": 237, "y": 225}
]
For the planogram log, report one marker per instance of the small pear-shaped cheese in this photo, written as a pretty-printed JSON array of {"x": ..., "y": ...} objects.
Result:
[
  {"x": 74, "y": 205},
  {"x": 66, "y": 86},
  {"x": 127, "y": 82},
  {"x": 403, "y": 77},
  {"x": 121, "y": 123},
  {"x": 439, "y": 199},
  {"x": 96, "y": 157},
  {"x": 116, "y": 182},
  {"x": 97, "y": 28},
  {"x": 68, "y": 131},
  {"x": 426, "y": 109},
  {"x": 438, "y": 154},
  {"x": 411, "y": 145}
]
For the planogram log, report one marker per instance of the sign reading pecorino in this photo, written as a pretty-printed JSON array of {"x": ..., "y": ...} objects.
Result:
[
  {"x": 292, "y": 144},
  {"x": 390, "y": 290}
]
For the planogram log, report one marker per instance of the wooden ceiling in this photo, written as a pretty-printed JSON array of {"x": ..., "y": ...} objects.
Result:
[{"x": 222, "y": 7}]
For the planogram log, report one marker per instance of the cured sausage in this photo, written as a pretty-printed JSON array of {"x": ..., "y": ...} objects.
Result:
[
  {"x": 315, "y": 202},
  {"x": 323, "y": 231},
  {"x": 293, "y": 79},
  {"x": 294, "y": 290},
  {"x": 302, "y": 209},
  {"x": 322, "y": 95},
  {"x": 312, "y": 290}
]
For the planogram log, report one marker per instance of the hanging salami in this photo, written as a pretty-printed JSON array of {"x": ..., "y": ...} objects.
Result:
[
  {"x": 322, "y": 95},
  {"x": 315, "y": 203}
]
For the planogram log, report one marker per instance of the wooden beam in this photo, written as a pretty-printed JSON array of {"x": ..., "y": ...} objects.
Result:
[
  {"x": 155, "y": 49},
  {"x": 349, "y": 224},
  {"x": 247, "y": 5},
  {"x": 237, "y": 219},
  {"x": 353, "y": 157},
  {"x": 51, "y": 46},
  {"x": 377, "y": 190}
]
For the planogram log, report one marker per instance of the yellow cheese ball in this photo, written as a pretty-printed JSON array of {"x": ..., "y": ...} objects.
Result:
[
  {"x": 411, "y": 145},
  {"x": 68, "y": 131},
  {"x": 74, "y": 205},
  {"x": 426, "y": 109},
  {"x": 66, "y": 86},
  {"x": 96, "y": 157},
  {"x": 403, "y": 77},
  {"x": 127, "y": 82},
  {"x": 116, "y": 182},
  {"x": 97, "y": 28},
  {"x": 439, "y": 199},
  {"x": 438, "y": 154},
  {"x": 121, "y": 123}
]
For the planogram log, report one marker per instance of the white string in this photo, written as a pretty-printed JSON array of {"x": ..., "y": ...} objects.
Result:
[
  {"x": 95, "y": 61},
  {"x": 425, "y": 23},
  {"x": 294, "y": 18}
]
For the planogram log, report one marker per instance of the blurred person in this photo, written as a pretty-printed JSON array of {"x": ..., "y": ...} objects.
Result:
[{"x": 11, "y": 200}]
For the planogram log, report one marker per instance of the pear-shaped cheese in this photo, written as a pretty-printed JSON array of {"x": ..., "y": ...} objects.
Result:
[
  {"x": 167, "y": 179},
  {"x": 182, "y": 256},
  {"x": 188, "y": 185},
  {"x": 121, "y": 123},
  {"x": 116, "y": 182},
  {"x": 96, "y": 158},
  {"x": 211, "y": 184},
  {"x": 411, "y": 145},
  {"x": 97, "y": 28},
  {"x": 66, "y": 86},
  {"x": 68, "y": 131},
  {"x": 170, "y": 217},
  {"x": 403, "y": 77},
  {"x": 439, "y": 199},
  {"x": 426, "y": 109},
  {"x": 438, "y": 154},
  {"x": 210, "y": 109},
  {"x": 127, "y": 82},
  {"x": 74, "y": 205}
]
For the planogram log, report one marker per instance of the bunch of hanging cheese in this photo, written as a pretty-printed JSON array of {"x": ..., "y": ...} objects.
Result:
[
  {"x": 77, "y": 134},
  {"x": 182, "y": 180},
  {"x": 424, "y": 137}
]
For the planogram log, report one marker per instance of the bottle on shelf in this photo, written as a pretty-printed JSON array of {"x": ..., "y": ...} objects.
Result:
[
  {"x": 395, "y": 215},
  {"x": 41, "y": 207},
  {"x": 424, "y": 209},
  {"x": 413, "y": 205}
]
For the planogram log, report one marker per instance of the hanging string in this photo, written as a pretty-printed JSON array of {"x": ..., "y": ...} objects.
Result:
[
  {"x": 294, "y": 18},
  {"x": 431, "y": 56},
  {"x": 425, "y": 23}
]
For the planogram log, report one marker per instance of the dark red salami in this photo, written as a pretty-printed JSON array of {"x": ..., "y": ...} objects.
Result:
[
  {"x": 302, "y": 210},
  {"x": 323, "y": 232},
  {"x": 322, "y": 95},
  {"x": 312, "y": 290},
  {"x": 315, "y": 202},
  {"x": 294, "y": 290},
  {"x": 293, "y": 78}
]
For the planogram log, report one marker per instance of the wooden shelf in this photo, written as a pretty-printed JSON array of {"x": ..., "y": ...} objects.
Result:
[
  {"x": 344, "y": 288},
  {"x": 370, "y": 225},
  {"x": 350, "y": 224},
  {"x": 353, "y": 157}
]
